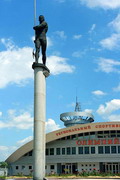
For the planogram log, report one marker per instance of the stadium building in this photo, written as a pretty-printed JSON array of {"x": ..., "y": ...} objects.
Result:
[{"x": 82, "y": 145}]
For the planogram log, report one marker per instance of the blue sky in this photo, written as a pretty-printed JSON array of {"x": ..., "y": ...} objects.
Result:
[{"x": 83, "y": 53}]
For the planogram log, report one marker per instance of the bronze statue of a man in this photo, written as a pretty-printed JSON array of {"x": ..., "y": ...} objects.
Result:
[{"x": 40, "y": 39}]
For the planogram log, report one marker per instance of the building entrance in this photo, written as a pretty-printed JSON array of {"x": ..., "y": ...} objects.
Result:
[
  {"x": 110, "y": 167},
  {"x": 69, "y": 168},
  {"x": 113, "y": 167}
]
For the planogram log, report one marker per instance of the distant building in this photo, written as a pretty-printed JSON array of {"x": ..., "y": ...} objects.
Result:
[{"x": 82, "y": 145}]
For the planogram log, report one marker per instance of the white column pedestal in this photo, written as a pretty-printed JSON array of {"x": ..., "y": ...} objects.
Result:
[{"x": 40, "y": 73}]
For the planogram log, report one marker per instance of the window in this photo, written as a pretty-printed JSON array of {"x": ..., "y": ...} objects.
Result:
[
  {"x": 92, "y": 150},
  {"x": 52, "y": 167},
  {"x": 17, "y": 167},
  {"x": 63, "y": 138},
  {"x": 107, "y": 149},
  {"x": 30, "y": 153},
  {"x": 100, "y": 134},
  {"x": 47, "y": 152},
  {"x": 113, "y": 149},
  {"x": 68, "y": 137},
  {"x": 68, "y": 151},
  {"x": 73, "y": 136},
  {"x": 80, "y": 136},
  {"x": 57, "y": 151},
  {"x": 106, "y": 134},
  {"x": 80, "y": 150},
  {"x": 51, "y": 151},
  {"x": 86, "y": 150},
  {"x": 30, "y": 167},
  {"x": 63, "y": 151},
  {"x": 86, "y": 135},
  {"x": 92, "y": 135},
  {"x": 118, "y": 149},
  {"x": 118, "y": 133},
  {"x": 100, "y": 149},
  {"x": 23, "y": 167},
  {"x": 113, "y": 133},
  {"x": 73, "y": 150}
]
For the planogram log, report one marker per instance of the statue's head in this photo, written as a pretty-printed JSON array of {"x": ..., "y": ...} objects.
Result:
[{"x": 41, "y": 18}]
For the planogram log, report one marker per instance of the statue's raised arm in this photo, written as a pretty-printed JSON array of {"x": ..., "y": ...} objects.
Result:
[{"x": 40, "y": 39}]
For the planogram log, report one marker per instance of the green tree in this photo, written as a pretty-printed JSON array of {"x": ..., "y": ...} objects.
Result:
[{"x": 3, "y": 164}]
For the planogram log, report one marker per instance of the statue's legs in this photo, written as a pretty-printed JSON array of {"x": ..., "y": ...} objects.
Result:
[
  {"x": 43, "y": 47},
  {"x": 37, "y": 46}
]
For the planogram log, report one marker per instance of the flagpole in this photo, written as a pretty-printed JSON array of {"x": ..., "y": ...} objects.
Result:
[{"x": 34, "y": 12}]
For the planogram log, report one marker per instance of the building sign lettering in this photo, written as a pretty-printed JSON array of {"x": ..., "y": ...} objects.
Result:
[
  {"x": 87, "y": 127},
  {"x": 98, "y": 142}
]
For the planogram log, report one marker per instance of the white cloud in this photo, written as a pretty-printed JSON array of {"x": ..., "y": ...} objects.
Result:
[
  {"x": 114, "y": 117},
  {"x": 79, "y": 54},
  {"x": 5, "y": 151},
  {"x": 24, "y": 141},
  {"x": 117, "y": 89},
  {"x": 16, "y": 63},
  {"x": 110, "y": 111},
  {"x": 109, "y": 107},
  {"x": 51, "y": 125},
  {"x": 61, "y": 34},
  {"x": 77, "y": 36},
  {"x": 111, "y": 42},
  {"x": 92, "y": 28},
  {"x": 49, "y": 42},
  {"x": 0, "y": 113},
  {"x": 108, "y": 65},
  {"x": 98, "y": 93},
  {"x": 21, "y": 121},
  {"x": 115, "y": 24},
  {"x": 105, "y": 4},
  {"x": 58, "y": 65},
  {"x": 88, "y": 111}
]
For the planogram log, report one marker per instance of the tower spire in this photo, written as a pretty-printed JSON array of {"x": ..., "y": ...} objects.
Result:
[{"x": 77, "y": 106}]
